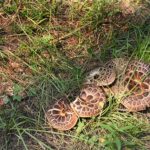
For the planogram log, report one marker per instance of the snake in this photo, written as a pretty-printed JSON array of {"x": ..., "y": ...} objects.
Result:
[{"x": 119, "y": 76}]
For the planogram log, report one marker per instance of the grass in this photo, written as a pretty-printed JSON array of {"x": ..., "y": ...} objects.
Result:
[{"x": 56, "y": 43}]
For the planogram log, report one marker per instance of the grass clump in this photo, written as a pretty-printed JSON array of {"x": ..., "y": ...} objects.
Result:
[{"x": 55, "y": 43}]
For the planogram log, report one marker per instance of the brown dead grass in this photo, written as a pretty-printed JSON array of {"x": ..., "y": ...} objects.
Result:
[{"x": 71, "y": 39}]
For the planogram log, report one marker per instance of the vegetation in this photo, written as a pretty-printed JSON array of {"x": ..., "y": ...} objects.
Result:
[{"x": 46, "y": 48}]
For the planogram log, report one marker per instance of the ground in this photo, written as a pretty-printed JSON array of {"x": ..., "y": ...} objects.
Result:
[{"x": 46, "y": 47}]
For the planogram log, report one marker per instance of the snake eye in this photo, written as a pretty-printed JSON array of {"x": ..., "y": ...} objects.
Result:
[{"x": 96, "y": 76}]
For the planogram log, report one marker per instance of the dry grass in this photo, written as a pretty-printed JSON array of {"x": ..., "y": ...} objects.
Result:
[{"x": 46, "y": 47}]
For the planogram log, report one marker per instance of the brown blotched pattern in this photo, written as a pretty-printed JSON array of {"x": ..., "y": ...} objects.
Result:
[
  {"x": 137, "y": 80},
  {"x": 102, "y": 76},
  {"x": 118, "y": 76},
  {"x": 61, "y": 116},
  {"x": 90, "y": 101},
  {"x": 124, "y": 77}
]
